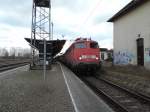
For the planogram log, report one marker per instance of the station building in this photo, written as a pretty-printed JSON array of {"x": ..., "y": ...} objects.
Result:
[{"x": 131, "y": 34}]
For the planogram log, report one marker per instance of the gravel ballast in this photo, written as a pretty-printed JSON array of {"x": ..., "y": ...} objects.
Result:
[{"x": 131, "y": 77}]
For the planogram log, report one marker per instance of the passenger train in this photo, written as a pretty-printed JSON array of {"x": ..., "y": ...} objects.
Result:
[{"x": 82, "y": 55}]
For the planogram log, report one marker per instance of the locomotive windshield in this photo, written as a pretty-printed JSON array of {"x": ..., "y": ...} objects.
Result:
[
  {"x": 94, "y": 45},
  {"x": 80, "y": 45}
]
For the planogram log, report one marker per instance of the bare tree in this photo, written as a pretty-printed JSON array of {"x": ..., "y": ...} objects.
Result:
[
  {"x": 12, "y": 53},
  {"x": 4, "y": 53},
  {"x": 15, "y": 53}
]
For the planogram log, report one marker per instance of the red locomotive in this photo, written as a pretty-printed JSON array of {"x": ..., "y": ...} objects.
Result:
[{"x": 83, "y": 55}]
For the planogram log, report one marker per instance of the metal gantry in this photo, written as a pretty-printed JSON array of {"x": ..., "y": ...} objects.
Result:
[{"x": 41, "y": 23}]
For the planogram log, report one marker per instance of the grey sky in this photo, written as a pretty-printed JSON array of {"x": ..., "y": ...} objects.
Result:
[{"x": 71, "y": 19}]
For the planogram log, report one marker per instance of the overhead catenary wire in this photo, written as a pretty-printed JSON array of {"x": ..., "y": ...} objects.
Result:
[{"x": 90, "y": 14}]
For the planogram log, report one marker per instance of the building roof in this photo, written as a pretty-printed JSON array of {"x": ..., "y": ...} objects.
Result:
[
  {"x": 103, "y": 49},
  {"x": 57, "y": 45},
  {"x": 129, "y": 7}
]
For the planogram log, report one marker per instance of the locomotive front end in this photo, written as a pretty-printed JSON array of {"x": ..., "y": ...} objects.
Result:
[{"x": 87, "y": 55}]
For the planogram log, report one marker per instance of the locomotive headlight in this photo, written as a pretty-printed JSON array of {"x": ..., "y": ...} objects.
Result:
[
  {"x": 97, "y": 58},
  {"x": 80, "y": 58}
]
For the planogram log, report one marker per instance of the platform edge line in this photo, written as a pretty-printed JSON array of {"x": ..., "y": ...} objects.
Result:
[{"x": 74, "y": 104}]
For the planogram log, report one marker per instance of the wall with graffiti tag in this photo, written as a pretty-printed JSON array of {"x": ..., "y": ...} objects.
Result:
[
  {"x": 123, "y": 57},
  {"x": 147, "y": 55}
]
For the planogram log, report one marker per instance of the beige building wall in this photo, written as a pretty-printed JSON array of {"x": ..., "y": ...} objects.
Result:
[{"x": 126, "y": 30}]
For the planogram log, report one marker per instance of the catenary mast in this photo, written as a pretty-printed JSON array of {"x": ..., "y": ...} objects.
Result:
[{"x": 41, "y": 23}]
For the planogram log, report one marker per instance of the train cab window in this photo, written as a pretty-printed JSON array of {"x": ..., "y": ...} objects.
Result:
[
  {"x": 94, "y": 45},
  {"x": 80, "y": 45}
]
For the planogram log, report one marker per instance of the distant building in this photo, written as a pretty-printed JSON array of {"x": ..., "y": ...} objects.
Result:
[
  {"x": 110, "y": 54},
  {"x": 104, "y": 53},
  {"x": 132, "y": 34}
]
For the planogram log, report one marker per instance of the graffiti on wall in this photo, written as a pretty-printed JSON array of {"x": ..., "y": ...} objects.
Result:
[
  {"x": 123, "y": 57},
  {"x": 147, "y": 55}
]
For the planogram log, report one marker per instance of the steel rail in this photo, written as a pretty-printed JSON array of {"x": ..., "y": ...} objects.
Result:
[
  {"x": 108, "y": 99},
  {"x": 135, "y": 94},
  {"x": 134, "y": 98},
  {"x": 11, "y": 66}
]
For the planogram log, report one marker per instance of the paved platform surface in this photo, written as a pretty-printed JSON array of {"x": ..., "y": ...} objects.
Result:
[
  {"x": 26, "y": 91},
  {"x": 22, "y": 90},
  {"x": 83, "y": 98}
]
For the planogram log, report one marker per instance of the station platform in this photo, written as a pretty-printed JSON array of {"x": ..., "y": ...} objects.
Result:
[{"x": 24, "y": 90}]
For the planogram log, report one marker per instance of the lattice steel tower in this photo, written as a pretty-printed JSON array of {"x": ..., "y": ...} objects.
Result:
[{"x": 41, "y": 22}]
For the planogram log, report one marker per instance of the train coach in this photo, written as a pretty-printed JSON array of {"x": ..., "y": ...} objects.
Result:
[{"x": 83, "y": 55}]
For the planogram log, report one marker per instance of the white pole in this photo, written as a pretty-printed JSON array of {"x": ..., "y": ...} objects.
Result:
[
  {"x": 52, "y": 31},
  {"x": 44, "y": 59}
]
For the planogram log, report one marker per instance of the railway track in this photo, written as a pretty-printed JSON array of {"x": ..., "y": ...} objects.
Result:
[
  {"x": 10, "y": 65},
  {"x": 122, "y": 99}
]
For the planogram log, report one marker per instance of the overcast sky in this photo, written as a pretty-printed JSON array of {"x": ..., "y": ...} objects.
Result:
[{"x": 71, "y": 18}]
